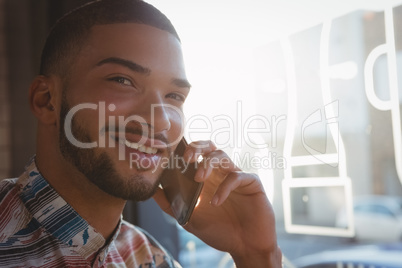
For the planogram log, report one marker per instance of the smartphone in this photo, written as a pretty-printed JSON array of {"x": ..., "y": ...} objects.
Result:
[{"x": 178, "y": 183}]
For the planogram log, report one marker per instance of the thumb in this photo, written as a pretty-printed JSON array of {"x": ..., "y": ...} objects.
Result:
[{"x": 162, "y": 202}]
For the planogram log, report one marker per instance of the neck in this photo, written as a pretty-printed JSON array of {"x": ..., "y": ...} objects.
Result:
[{"x": 101, "y": 210}]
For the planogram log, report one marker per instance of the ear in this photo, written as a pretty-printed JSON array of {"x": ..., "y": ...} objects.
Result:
[{"x": 42, "y": 99}]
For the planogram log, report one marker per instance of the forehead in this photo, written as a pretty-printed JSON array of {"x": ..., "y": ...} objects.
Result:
[{"x": 143, "y": 44}]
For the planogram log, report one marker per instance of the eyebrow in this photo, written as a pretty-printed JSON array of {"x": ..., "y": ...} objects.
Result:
[
  {"x": 126, "y": 63},
  {"x": 182, "y": 83}
]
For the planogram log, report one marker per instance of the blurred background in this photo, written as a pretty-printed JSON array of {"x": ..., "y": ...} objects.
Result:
[{"x": 305, "y": 93}]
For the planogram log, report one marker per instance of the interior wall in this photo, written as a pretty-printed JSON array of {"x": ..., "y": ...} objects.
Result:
[
  {"x": 26, "y": 24},
  {"x": 4, "y": 101}
]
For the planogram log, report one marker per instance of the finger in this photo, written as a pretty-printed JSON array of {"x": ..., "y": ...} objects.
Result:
[
  {"x": 162, "y": 202},
  {"x": 216, "y": 160},
  {"x": 233, "y": 181},
  {"x": 277, "y": 260},
  {"x": 195, "y": 149}
]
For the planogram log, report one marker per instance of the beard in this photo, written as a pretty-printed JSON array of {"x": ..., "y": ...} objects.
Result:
[{"x": 98, "y": 167}]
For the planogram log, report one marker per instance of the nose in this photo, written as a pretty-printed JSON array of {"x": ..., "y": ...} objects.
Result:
[{"x": 158, "y": 116}]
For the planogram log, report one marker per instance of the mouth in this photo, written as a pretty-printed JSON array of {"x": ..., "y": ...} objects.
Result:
[
  {"x": 141, "y": 144},
  {"x": 141, "y": 147},
  {"x": 143, "y": 153}
]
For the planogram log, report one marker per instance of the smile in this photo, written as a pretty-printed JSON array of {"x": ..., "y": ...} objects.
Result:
[{"x": 140, "y": 147}]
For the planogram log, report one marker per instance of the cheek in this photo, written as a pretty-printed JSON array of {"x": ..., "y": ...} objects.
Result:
[
  {"x": 89, "y": 117},
  {"x": 177, "y": 125},
  {"x": 89, "y": 120}
]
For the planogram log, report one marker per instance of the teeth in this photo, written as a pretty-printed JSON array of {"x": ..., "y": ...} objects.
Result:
[
  {"x": 131, "y": 144},
  {"x": 151, "y": 150},
  {"x": 141, "y": 148}
]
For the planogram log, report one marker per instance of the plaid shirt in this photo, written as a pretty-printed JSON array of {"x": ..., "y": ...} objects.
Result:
[{"x": 38, "y": 228}]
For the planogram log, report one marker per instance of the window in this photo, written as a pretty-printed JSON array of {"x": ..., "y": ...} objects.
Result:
[{"x": 321, "y": 84}]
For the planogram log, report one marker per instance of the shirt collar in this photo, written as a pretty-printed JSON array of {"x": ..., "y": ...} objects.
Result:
[{"x": 56, "y": 215}]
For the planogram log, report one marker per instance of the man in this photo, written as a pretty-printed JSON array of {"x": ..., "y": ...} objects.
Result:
[{"x": 112, "y": 85}]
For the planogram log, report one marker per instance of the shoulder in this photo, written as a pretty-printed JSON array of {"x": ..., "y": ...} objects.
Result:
[
  {"x": 140, "y": 242},
  {"x": 13, "y": 214},
  {"x": 130, "y": 232},
  {"x": 6, "y": 185}
]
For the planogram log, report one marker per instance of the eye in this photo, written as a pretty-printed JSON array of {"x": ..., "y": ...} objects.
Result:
[
  {"x": 121, "y": 80},
  {"x": 176, "y": 96}
]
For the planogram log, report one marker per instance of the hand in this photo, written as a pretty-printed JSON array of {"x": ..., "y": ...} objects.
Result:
[{"x": 234, "y": 213}]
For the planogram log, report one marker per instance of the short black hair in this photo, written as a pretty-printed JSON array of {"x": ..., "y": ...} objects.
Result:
[{"x": 69, "y": 34}]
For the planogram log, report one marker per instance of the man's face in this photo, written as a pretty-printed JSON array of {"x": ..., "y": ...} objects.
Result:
[{"x": 130, "y": 83}]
